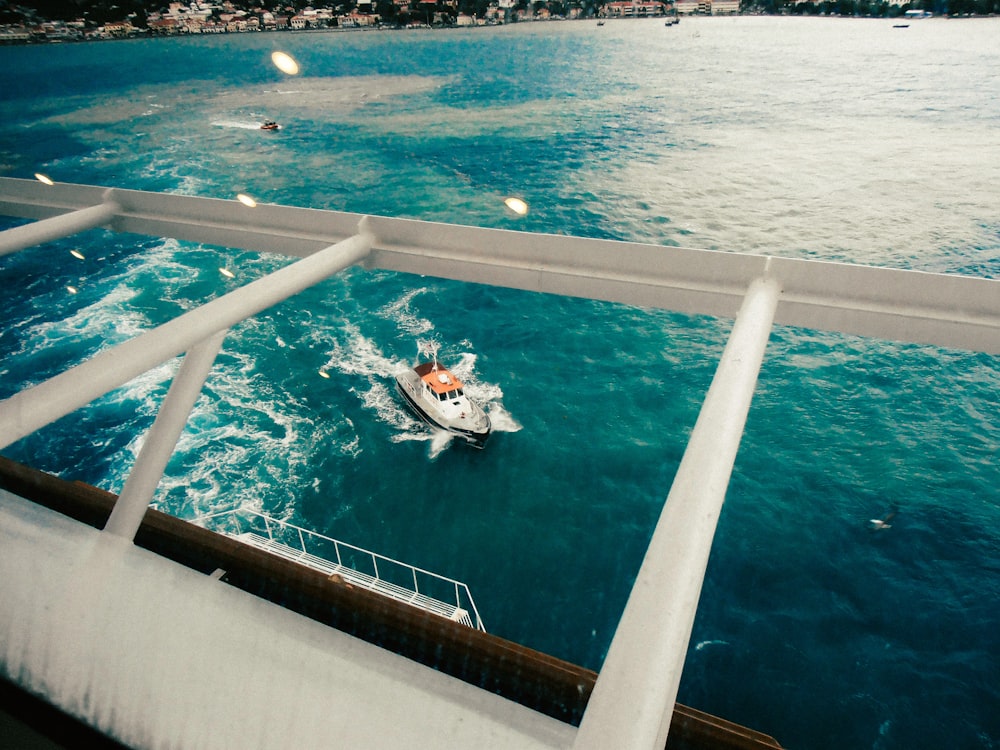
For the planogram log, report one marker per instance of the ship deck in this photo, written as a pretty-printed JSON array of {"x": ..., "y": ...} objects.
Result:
[{"x": 219, "y": 634}]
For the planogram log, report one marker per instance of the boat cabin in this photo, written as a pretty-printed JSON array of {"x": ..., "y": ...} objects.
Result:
[{"x": 439, "y": 381}]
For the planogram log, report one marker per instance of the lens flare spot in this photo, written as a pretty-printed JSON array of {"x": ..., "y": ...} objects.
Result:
[
  {"x": 246, "y": 200},
  {"x": 44, "y": 178},
  {"x": 516, "y": 205},
  {"x": 285, "y": 63}
]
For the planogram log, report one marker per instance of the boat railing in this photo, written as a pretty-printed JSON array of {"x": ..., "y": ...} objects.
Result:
[{"x": 354, "y": 565}]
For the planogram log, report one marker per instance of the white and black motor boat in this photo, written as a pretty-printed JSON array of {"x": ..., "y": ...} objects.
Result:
[{"x": 438, "y": 397}]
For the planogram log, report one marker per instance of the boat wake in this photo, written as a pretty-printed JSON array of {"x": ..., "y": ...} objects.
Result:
[
  {"x": 372, "y": 373},
  {"x": 705, "y": 644},
  {"x": 401, "y": 313},
  {"x": 238, "y": 124},
  {"x": 501, "y": 419}
]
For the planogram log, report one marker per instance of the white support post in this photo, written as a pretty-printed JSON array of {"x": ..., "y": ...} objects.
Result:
[
  {"x": 633, "y": 699},
  {"x": 57, "y": 227},
  {"x": 130, "y": 508}
]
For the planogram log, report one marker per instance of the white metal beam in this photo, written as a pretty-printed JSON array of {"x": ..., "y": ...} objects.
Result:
[
  {"x": 633, "y": 699},
  {"x": 57, "y": 227},
  {"x": 27, "y": 411},
  {"x": 130, "y": 507},
  {"x": 943, "y": 309}
]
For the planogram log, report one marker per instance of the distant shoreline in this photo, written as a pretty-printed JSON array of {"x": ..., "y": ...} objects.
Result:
[{"x": 61, "y": 34}]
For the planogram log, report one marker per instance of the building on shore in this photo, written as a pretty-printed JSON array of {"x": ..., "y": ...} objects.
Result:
[
  {"x": 634, "y": 9},
  {"x": 707, "y": 7},
  {"x": 725, "y": 7}
]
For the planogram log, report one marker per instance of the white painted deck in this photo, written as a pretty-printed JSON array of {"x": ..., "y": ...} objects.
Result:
[{"x": 160, "y": 656}]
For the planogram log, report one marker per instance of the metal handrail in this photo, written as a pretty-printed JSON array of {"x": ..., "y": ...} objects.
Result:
[{"x": 463, "y": 596}]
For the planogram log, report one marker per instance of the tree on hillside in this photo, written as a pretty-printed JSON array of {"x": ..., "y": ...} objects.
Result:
[{"x": 387, "y": 12}]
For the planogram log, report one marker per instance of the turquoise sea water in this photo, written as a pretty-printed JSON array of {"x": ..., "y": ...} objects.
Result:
[{"x": 839, "y": 139}]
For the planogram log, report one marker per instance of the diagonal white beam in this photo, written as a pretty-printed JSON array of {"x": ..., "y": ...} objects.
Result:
[
  {"x": 36, "y": 407},
  {"x": 633, "y": 699},
  {"x": 57, "y": 227},
  {"x": 130, "y": 507}
]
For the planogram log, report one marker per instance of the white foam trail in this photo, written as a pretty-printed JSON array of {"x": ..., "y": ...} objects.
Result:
[
  {"x": 107, "y": 320},
  {"x": 380, "y": 399},
  {"x": 141, "y": 386},
  {"x": 353, "y": 448},
  {"x": 440, "y": 440},
  {"x": 487, "y": 395},
  {"x": 218, "y": 459},
  {"x": 360, "y": 356},
  {"x": 501, "y": 419},
  {"x": 372, "y": 372},
  {"x": 238, "y": 124},
  {"x": 704, "y": 644},
  {"x": 401, "y": 313}
]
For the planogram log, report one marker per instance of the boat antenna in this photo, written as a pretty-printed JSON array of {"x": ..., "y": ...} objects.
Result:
[{"x": 431, "y": 348}]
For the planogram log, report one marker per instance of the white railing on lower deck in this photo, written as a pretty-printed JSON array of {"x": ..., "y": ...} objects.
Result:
[{"x": 401, "y": 581}]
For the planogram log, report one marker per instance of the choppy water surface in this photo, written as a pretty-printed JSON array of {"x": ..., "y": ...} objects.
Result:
[{"x": 820, "y": 138}]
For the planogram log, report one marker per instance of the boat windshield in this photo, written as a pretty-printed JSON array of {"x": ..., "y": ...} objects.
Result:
[{"x": 447, "y": 396}]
